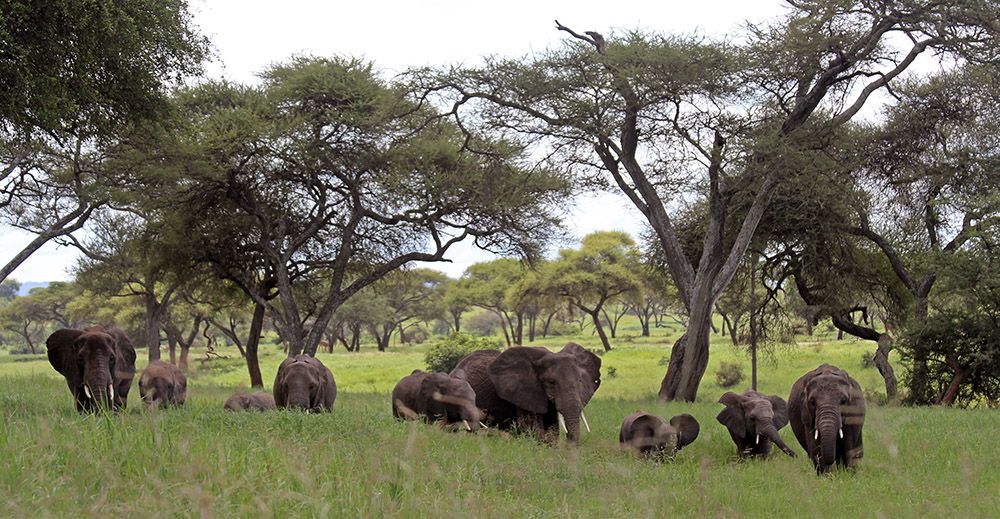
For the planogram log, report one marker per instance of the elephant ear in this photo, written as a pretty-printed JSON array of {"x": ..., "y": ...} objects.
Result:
[
  {"x": 61, "y": 349},
  {"x": 516, "y": 380},
  {"x": 687, "y": 429},
  {"x": 589, "y": 366},
  {"x": 732, "y": 415},
  {"x": 780, "y": 411},
  {"x": 279, "y": 389},
  {"x": 326, "y": 391}
]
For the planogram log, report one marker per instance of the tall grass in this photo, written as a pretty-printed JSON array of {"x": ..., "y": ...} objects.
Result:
[{"x": 359, "y": 462}]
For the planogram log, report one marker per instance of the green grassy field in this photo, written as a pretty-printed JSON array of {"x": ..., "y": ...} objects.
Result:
[{"x": 359, "y": 462}]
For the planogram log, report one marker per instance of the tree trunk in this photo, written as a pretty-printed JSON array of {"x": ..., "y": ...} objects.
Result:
[
  {"x": 172, "y": 342},
  {"x": 457, "y": 320},
  {"x": 881, "y": 360},
  {"x": 548, "y": 321},
  {"x": 596, "y": 317},
  {"x": 689, "y": 358},
  {"x": 504, "y": 324},
  {"x": 951, "y": 393},
  {"x": 519, "y": 336},
  {"x": 253, "y": 341},
  {"x": 152, "y": 327}
]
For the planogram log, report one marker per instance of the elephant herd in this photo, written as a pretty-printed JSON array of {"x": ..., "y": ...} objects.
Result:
[{"x": 528, "y": 389}]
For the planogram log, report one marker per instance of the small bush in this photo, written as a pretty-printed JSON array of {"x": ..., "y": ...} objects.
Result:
[
  {"x": 729, "y": 374},
  {"x": 867, "y": 360},
  {"x": 447, "y": 351},
  {"x": 612, "y": 372}
]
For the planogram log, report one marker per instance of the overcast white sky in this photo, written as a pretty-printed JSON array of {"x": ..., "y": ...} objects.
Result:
[{"x": 250, "y": 34}]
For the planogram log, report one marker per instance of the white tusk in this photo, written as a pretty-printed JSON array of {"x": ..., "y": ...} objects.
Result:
[
  {"x": 841, "y": 434},
  {"x": 757, "y": 441},
  {"x": 111, "y": 389},
  {"x": 467, "y": 426},
  {"x": 562, "y": 423},
  {"x": 584, "y": 418},
  {"x": 816, "y": 437},
  {"x": 86, "y": 391},
  {"x": 481, "y": 424}
]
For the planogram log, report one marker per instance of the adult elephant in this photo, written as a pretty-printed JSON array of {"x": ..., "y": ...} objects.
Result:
[
  {"x": 303, "y": 382},
  {"x": 162, "y": 384},
  {"x": 827, "y": 412},
  {"x": 98, "y": 364},
  {"x": 256, "y": 401},
  {"x": 436, "y": 397},
  {"x": 534, "y": 388},
  {"x": 654, "y": 437},
  {"x": 753, "y": 420}
]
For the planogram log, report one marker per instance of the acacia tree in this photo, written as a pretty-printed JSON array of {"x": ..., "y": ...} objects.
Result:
[
  {"x": 486, "y": 285},
  {"x": 77, "y": 79},
  {"x": 327, "y": 176},
  {"x": 653, "y": 112},
  {"x": 603, "y": 268},
  {"x": 400, "y": 297}
]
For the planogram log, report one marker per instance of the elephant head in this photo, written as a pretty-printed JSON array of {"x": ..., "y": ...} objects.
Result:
[
  {"x": 651, "y": 435},
  {"x": 437, "y": 397},
  {"x": 303, "y": 382},
  {"x": 543, "y": 383},
  {"x": 451, "y": 399},
  {"x": 162, "y": 384},
  {"x": 827, "y": 411},
  {"x": 256, "y": 401},
  {"x": 753, "y": 420}
]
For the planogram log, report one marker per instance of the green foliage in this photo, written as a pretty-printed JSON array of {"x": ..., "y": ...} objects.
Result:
[
  {"x": 729, "y": 374},
  {"x": 90, "y": 67},
  {"x": 8, "y": 289},
  {"x": 953, "y": 348},
  {"x": 445, "y": 353}
]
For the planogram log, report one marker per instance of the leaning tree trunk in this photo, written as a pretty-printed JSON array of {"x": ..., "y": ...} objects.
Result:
[
  {"x": 596, "y": 317},
  {"x": 688, "y": 359},
  {"x": 881, "y": 361},
  {"x": 253, "y": 341}
]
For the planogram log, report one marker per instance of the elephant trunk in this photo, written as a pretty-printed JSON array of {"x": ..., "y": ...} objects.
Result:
[
  {"x": 571, "y": 415},
  {"x": 828, "y": 427},
  {"x": 97, "y": 383},
  {"x": 768, "y": 431}
]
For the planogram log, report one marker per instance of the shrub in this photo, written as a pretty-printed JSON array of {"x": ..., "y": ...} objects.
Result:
[
  {"x": 729, "y": 374},
  {"x": 867, "y": 360},
  {"x": 612, "y": 372},
  {"x": 445, "y": 353}
]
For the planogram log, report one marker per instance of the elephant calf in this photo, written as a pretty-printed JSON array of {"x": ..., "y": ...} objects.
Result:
[
  {"x": 303, "y": 382},
  {"x": 256, "y": 401},
  {"x": 162, "y": 384},
  {"x": 436, "y": 397},
  {"x": 753, "y": 420},
  {"x": 652, "y": 436}
]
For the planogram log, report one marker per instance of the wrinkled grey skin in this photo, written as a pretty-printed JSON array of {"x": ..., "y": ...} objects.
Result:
[
  {"x": 303, "y": 382},
  {"x": 256, "y": 401},
  {"x": 525, "y": 387},
  {"x": 653, "y": 437},
  {"x": 97, "y": 361},
  {"x": 753, "y": 420},
  {"x": 437, "y": 397},
  {"x": 829, "y": 401},
  {"x": 162, "y": 384}
]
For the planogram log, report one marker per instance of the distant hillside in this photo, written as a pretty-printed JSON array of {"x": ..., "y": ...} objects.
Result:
[{"x": 28, "y": 285}]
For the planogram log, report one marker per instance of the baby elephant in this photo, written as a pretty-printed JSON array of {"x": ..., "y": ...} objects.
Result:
[
  {"x": 303, "y": 382},
  {"x": 256, "y": 401},
  {"x": 753, "y": 420},
  {"x": 651, "y": 436},
  {"x": 162, "y": 384},
  {"x": 436, "y": 397}
]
